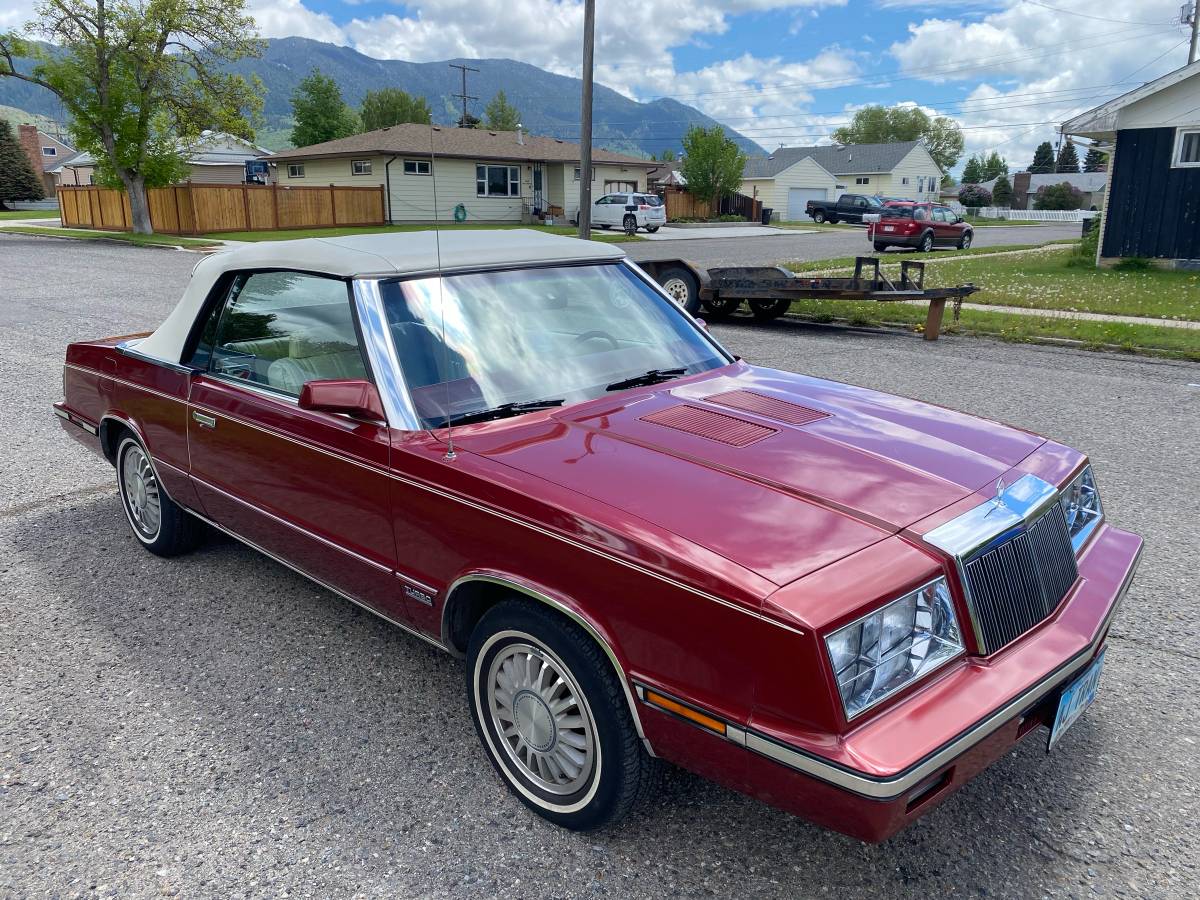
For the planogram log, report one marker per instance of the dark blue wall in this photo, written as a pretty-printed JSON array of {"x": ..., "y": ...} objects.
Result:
[{"x": 1153, "y": 209}]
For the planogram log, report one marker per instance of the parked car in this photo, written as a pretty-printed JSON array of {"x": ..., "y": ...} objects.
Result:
[
  {"x": 847, "y": 208},
  {"x": 921, "y": 226},
  {"x": 845, "y": 603},
  {"x": 630, "y": 211}
]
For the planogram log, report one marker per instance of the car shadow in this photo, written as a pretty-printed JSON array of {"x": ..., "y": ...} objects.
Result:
[{"x": 282, "y": 695}]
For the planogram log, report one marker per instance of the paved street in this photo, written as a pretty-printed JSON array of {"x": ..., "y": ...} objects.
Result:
[
  {"x": 215, "y": 726},
  {"x": 767, "y": 251}
]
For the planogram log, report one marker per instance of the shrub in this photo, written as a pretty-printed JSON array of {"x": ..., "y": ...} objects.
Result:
[
  {"x": 1134, "y": 264},
  {"x": 1058, "y": 196},
  {"x": 972, "y": 196}
]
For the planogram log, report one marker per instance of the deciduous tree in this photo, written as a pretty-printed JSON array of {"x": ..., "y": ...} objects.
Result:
[
  {"x": 18, "y": 181},
  {"x": 501, "y": 115},
  {"x": 140, "y": 79},
  {"x": 712, "y": 163},
  {"x": 391, "y": 106},
  {"x": 319, "y": 112},
  {"x": 882, "y": 125},
  {"x": 974, "y": 196},
  {"x": 1058, "y": 196},
  {"x": 994, "y": 166}
]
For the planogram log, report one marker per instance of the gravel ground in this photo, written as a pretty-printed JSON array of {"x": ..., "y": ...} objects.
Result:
[
  {"x": 768, "y": 251},
  {"x": 215, "y": 726}
]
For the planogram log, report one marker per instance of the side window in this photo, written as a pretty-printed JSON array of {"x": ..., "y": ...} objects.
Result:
[
  {"x": 938, "y": 215},
  {"x": 920, "y": 214},
  {"x": 281, "y": 329}
]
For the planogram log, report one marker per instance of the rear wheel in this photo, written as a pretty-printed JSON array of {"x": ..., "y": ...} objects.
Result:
[
  {"x": 926, "y": 245},
  {"x": 630, "y": 224},
  {"x": 157, "y": 521},
  {"x": 766, "y": 310},
  {"x": 681, "y": 286},
  {"x": 819, "y": 217},
  {"x": 721, "y": 307},
  {"x": 880, "y": 246},
  {"x": 652, "y": 228},
  {"x": 552, "y": 716}
]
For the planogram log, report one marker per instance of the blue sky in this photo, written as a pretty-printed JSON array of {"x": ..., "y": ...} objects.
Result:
[{"x": 788, "y": 71}]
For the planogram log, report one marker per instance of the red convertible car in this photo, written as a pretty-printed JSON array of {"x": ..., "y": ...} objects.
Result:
[{"x": 518, "y": 448}]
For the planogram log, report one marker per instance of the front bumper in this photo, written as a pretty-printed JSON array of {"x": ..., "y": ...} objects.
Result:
[{"x": 875, "y": 780}]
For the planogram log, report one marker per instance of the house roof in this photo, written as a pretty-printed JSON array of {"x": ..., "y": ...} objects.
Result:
[
  {"x": 1084, "y": 181},
  {"x": 837, "y": 159},
  {"x": 384, "y": 255},
  {"x": 212, "y": 148},
  {"x": 1102, "y": 120},
  {"x": 668, "y": 173},
  {"x": 475, "y": 143}
]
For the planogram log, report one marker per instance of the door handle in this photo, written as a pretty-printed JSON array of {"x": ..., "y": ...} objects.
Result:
[{"x": 203, "y": 420}]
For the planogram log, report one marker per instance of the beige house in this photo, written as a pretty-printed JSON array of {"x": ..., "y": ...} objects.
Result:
[
  {"x": 494, "y": 176},
  {"x": 46, "y": 153},
  {"x": 791, "y": 176}
]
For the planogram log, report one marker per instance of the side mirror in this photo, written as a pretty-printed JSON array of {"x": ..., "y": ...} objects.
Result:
[{"x": 351, "y": 397}]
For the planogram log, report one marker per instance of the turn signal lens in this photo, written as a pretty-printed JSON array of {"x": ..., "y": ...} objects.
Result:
[{"x": 685, "y": 711}]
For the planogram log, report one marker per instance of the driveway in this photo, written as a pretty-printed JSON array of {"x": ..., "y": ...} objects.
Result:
[
  {"x": 710, "y": 233},
  {"x": 216, "y": 726},
  {"x": 808, "y": 245}
]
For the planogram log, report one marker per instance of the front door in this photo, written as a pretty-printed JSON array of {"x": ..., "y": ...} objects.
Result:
[{"x": 310, "y": 488}]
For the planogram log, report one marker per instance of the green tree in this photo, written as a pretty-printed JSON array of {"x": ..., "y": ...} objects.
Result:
[
  {"x": 319, "y": 112},
  {"x": 994, "y": 166},
  {"x": 882, "y": 125},
  {"x": 712, "y": 163},
  {"x": 1002, "y": 192},
  {"x": 1095, "y": 161},
  {"x": 667, "y": 155},
  {"x": 18, "y": 181},
  {"x": 1068, "y": 159},
  {"x": 1058, "y": 196},
  {"x": 391, "y": 106},
  {"x": 1043, "y": 159},
  {"x": 139, "y": 78},
  {"x": 501, "y": 115},
  {"x": 973, "y": 171},
  {"x": 973, "y": 196}
]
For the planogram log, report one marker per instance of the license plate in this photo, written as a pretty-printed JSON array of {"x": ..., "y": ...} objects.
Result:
[
  {"x": 1076, "y": 697},
  {"x": 889, "y": 227}
]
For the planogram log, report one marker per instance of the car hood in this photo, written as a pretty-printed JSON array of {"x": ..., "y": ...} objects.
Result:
[{"x": 779, "y": 473}]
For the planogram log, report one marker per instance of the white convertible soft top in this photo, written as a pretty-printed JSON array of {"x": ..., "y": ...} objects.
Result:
[{"x": 385, "y": 255}]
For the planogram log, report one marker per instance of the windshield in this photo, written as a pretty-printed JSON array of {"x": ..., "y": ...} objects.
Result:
[{"x": 530, "y": 336}]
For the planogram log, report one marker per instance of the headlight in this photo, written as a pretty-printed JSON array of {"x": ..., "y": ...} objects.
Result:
[
  {"x": 1080, "y": 503},
  {"x": 893, "y": 646}
]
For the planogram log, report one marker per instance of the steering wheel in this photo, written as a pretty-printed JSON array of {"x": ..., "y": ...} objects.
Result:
[{"x": 603, "y": 335}]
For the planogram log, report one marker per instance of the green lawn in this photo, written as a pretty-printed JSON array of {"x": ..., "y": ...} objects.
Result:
[
  {"x": 291, "y": 235},
  {"x": 141, "y": 240},
  {"x": 892, "y": 261},
  {"x": 27, "y": 214},
  {"x": 975, "y": 220}
]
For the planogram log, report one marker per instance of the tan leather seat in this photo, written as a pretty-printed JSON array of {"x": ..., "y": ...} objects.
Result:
[{"x": 316, "y": 355}]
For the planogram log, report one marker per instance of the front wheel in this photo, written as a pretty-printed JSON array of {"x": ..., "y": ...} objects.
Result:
[
  {"x": 964, "y": 242},
  {"x": 157, "y": 521},
  {"x": 553, "y": 718}
]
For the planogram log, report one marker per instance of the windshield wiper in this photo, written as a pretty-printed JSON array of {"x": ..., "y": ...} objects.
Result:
[
  {"x": 654, "y": 376},
  {"x": 503, "y": 411}
]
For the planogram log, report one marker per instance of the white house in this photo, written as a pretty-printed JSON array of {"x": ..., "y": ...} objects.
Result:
[
  {"x": 791, "y": 176},
  {"x": 214, "y": 158}
]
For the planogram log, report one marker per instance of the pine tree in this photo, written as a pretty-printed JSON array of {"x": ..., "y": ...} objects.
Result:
[
  {"x": 501, "y": 115},
  {"x": 1095, "y": 161},
  {"x": 973, "y": 171},
  {"x": 1068, "y": 159},
  {"x": 1002, "y": 192},
  {"x": 1043, "y": 159},
  {"x": 17, "y": 178}
]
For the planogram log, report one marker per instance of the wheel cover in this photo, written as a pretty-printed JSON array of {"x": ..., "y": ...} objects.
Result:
[
  {"x": 140, "y": 489},
  {"x": 966, "y": 241},
  {"x": 541, "y": 719},
  {"x": 677, "y": 290}
]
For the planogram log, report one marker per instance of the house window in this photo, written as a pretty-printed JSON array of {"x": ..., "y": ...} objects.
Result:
[
  {"x": 49, "y": 151},
  {"x": 360, "y": 167},
  {"x": 1187, "y": 147},
  {"x": 498, "y": 181},
  {"x": 862, "y": 180},
  {"x": 295, "y": 170},
  {"x": 921, "y": 184},
  {"x": 593, "y": 173},
  {"x": 417, "y": 167},
  {"x": 904, "y": 180}
]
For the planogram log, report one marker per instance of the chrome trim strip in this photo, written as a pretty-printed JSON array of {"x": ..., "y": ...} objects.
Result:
[
  {"x": 318, "y": 581},
  {"x": 381, "y": 353},
  {"x": 62, "y": 413},
  {"x": 566, "y": 611},
  {"x": 126, "y": 348},
  {"x": 298, "y": 528},
  {"x": 894, "y": 786},
  {"x": 429, "y": 589}
]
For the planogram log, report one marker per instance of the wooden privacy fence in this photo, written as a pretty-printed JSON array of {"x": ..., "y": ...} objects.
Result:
[
  {"x": 682, "y": 205},
  {"x": 204, "y": 208}
]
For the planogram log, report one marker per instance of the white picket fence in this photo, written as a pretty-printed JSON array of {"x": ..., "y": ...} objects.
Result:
[{"x": 1030, "y": 215}]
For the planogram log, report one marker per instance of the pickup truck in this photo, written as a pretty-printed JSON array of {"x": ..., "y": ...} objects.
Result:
[{"x": 847, "y": 208}]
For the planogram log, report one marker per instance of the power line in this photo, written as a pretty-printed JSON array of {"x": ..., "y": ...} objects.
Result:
[
  {"x": 1071, "y": 12},
  {"x": 464, "y": 96}
]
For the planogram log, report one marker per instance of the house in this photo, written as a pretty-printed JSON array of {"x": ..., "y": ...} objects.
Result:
[
  {"x": 45, "y": 151},
  {"x": 1025, "y": 186},
  {"x": 791, "y": 176},
  {"x": 494, "y": 176},
  {"x": 665, "y": 175},
  {"x": 1152, "y": 136},
  {"x": 214, "y": 158}
]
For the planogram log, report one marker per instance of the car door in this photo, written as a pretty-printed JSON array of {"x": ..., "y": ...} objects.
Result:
[
  {"x": 954, "y": 228},
  {"x": 602, "y": 211},
  {"x": 944, "y": 229},
  {"x": 309, "y": 488},
  {"x": 861, "y": 207}
]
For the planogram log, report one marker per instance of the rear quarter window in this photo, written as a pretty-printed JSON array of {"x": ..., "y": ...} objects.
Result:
[{"x": 649, "y": 199}]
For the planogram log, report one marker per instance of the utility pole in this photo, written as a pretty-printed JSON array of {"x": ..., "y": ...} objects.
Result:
[
  {"x": 585, "y": 123},
  {"x": 464, "y": 96},
  {"x": 1195, "y": 22}
]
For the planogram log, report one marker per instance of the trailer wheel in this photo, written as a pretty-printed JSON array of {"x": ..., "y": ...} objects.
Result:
[
  {"x": 766, "y": 310},
  {"x": 721, "y": 307},
  {"x": 681, "y": 286}
]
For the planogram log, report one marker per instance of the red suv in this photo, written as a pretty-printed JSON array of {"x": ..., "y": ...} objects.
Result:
[{"x": 903, "y": 223}]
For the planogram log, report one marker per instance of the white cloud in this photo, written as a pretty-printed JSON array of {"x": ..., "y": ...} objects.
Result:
[{"x": 291, "y": 18}]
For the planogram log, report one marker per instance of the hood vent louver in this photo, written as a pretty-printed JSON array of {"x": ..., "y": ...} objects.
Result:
[
  {"x": 768, "y": 407},
  {"x": 714, "y": 426}
]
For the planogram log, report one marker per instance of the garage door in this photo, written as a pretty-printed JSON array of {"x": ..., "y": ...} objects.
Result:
[{"x": 798, "y": 197}]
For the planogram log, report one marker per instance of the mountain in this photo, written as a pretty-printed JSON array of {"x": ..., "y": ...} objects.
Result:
[{"x": 549, "y": 103}]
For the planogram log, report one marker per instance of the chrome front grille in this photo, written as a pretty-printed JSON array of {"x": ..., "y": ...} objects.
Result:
[{"x": 1018, "y": 583}]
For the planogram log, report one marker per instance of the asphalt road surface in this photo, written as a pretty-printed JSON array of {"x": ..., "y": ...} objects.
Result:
[
  {"x": 767, "y": 251},
  {"x": 215, "y": 726}
]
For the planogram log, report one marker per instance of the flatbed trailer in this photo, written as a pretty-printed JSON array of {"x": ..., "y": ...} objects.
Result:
[{"x": 768, "y": 291}]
